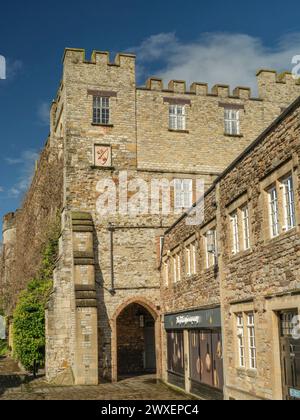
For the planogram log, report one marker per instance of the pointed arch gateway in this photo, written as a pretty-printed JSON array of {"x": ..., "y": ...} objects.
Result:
[{"x": 136, "y": 339}]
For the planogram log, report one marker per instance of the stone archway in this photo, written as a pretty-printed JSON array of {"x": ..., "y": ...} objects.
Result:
[{"x": 136, "y": 339}]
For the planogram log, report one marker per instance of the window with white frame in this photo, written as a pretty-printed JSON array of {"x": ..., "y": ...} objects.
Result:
[
  {"x": 235, "y": 232},
  {"x": 174, "y": 269},
  {"x": 191, "y": 263},
  {"x": 251, "y": 340},
  {"x": 177, "y": 267},
  {"x": 240, "y": 224},
  {"x": 280, "y": 193},
  {"x": 274, "y": 212},
  {"x": 211, "y": 247},
  {"x": 289, "y": 203},
  {"x": 246, "y": 227},
  {"x": 232, "y": 121},
  {"x": 246, "y": 340},
  {"x": 188, "y": 261},
  {"x": 183, "y": 193},
  {"x": 241, "y": 340},
  {"x": 177, "y": 117},
  {"x": 101, "y": 110}
]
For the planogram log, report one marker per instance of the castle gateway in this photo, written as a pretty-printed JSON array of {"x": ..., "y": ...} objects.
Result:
[{"x": 104, "y": 317}]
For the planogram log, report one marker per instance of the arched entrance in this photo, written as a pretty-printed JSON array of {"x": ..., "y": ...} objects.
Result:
[{"x": 135, "y": 340}]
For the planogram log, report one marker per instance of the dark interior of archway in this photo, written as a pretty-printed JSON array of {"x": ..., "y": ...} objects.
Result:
[{"x": 136, "y": 341}]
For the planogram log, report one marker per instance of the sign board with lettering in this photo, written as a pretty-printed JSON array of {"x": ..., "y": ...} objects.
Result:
[{"x": 206, "y": 318}]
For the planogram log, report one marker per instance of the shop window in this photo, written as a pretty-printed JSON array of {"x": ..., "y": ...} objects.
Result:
[
  {"x": 206, "y": 358},
  {"x": 175, "y": 350}
]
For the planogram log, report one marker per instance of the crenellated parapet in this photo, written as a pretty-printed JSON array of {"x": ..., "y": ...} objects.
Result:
[
  {"x": 78, "y": 56},
  {"x": 271, "y": 84},
  {"x": 198, "y": 89},
  {"x": 265, "y": 78}
]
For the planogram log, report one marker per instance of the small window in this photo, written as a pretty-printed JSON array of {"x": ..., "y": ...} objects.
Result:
[
  {"x": 246, "y": 227},
  {"x": 289, "y": 203},
  {"x": 235, "y": 233},
  {"x": 188, "y": 261},
  {"x": 232, "y": 121},
  {"x": 183, "y": 193},
  {"x": 177, "y": 268},
  {"x": 274, "y": 212},
  {"x": 191, "y": 263},
  {"x": 241, "y": 340},
  {"x": 178, "y": 265},
  {"x": 177, "y": 117},
  {"x": 101, "y": 110},
  {"x": 251, "y": 340}
]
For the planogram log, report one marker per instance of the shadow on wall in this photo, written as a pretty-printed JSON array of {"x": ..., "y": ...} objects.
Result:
[{"x": 104, "y": 328}]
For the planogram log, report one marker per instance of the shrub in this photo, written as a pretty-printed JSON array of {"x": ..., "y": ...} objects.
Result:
[
  {"x": 29, "y": 325},
  {"x": 29, "y": 314}
]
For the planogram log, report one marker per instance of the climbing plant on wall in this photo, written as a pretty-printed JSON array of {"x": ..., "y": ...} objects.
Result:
[{"x": 29, "y": 314}]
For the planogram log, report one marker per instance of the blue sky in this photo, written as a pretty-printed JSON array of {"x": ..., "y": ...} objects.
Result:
[{"x": 215, "y": 42}]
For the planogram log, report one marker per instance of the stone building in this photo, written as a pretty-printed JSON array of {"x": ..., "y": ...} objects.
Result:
[
  {"x": 107, "y": 135},
  {"x": 234, "y": 279}
]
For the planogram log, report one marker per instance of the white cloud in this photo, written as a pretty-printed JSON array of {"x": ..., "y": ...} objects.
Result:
[
  {"x": 213, "y": 58},
  {"x": 26, "y": 162},
  {"x": 43, "y": 113}
]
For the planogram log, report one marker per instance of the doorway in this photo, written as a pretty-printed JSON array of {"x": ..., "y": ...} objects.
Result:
[
  {"x": 290, "y": 355},
  {"x": 136, "y": 352}
]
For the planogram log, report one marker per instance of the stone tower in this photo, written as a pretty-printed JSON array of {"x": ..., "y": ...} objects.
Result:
[{"x": 106, "y": 296}]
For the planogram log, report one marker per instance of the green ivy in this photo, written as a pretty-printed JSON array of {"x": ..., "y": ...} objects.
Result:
[{"x": 29, "y": 314}]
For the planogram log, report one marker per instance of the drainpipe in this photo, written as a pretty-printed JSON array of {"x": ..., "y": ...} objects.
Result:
[{"x": 111, "y": 230}]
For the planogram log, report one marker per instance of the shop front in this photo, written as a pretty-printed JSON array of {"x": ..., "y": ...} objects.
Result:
[{"x": 194, "y": 352}]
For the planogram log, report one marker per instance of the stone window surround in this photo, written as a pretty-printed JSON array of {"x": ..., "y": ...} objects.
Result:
[
  {"x": 192, "y": 240},
  {"x": 181, "y": 102},
  {"x": 171, "y": 259},
  {"x": 274, "y": 305},
  {"x": 237, "y": 206},
  {"x": 103, "y": 94},
  {"x": 245, "y": 309},
  {"x": 275, "y": 179},
  {"x": 234, "y": 107}
]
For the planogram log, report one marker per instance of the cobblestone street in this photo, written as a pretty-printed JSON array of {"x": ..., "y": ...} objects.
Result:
[{"x": 16, "y": 386}]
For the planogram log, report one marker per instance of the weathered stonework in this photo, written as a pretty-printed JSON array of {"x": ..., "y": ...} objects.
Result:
[
  {"x": 107, "y": 262},
  {"x": 263, "y": 279}
]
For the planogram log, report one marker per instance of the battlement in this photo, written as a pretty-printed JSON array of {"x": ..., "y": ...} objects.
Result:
[
  {"x": 199, "y": 89},
  {"x": 78, "y": 56},
  {"x": 264, "y": 78},
  {"x": 272, "y": 76}
]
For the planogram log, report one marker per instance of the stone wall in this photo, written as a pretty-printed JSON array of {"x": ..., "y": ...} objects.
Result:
[
  {"x": 26, "y": 231},
  {"x": 141, "y": 144},
  {"x": 263, "y": 279}
]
